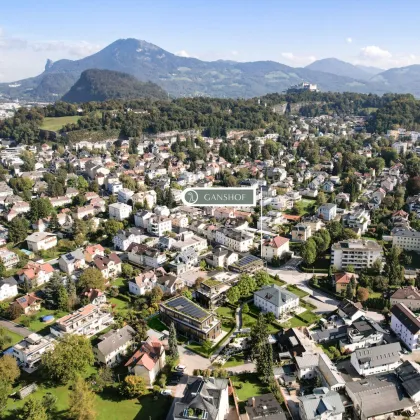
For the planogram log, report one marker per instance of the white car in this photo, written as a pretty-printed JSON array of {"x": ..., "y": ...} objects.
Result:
[
  {"x": 180, "y": 368},
  {"x": 166, "y": 392}
]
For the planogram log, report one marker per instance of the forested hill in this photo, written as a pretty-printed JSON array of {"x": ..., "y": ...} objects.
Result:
[
  {"x": 101, "y": 85},
  {"x": 213, "y": 117}
]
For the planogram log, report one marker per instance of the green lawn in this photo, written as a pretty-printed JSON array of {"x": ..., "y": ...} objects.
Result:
[
  {"x": 55, "y": 123},
  {"x": 302, "y": 320},
  {"x": 236, "y": 360},
  {"x": 298, "y": 292},
  {"x": 156, "y": 324},
  {"x": 37, "y": 324},
  {"x": 248, "y": 385},
  {"x": 14, "y": 337},
  {"x": 106, "y": 403},
  {"x": 278, "y": 282}
]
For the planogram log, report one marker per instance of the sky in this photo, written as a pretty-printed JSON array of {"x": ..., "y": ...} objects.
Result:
[{"x": 380, "y": 33}]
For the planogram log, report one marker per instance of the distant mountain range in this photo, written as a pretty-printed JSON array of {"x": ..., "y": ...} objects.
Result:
[
  {"x": 184, "y": 76},
  {"x": 101, "y": 85}
]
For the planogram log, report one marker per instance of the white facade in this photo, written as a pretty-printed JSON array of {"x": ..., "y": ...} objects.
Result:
[
  {"x": 8, "y": 289},
  {"x": 234, "y": 239},
  {"x": 359, "y": 253},
  {"x": 159, "y": 225},
  {"x": 328, "y": 211},
  {"x": 406, "y": 239},
  {"x": 119, "y": 211},
  {"x": 41, "y": 241},
  {"x": 276, "y": 300},
  {"x": 406, "y": 326}
]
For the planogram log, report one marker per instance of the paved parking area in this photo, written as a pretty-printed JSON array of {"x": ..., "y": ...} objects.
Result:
[{"x": 192, "y": 360}]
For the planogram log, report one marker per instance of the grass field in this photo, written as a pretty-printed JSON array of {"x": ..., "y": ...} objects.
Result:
[
  {"x": 14, "y": 337},
  {"x": 36, "y": 324},
  {"x": 55, "y": 123},
  {"x": 298, "y": 292},
  {"x": 248, "y": 385},
  {"x": 156, "y": 324}
]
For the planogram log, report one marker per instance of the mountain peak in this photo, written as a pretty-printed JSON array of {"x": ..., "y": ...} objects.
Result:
[{"x": 340, "y": 68}]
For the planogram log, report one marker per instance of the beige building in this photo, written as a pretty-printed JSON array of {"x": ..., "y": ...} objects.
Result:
[
  {"x": 409, "y": 296},
  {"x": 275, "y": 248}
]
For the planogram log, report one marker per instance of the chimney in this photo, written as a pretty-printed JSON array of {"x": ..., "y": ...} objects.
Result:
[{"x": 253, "y": 401}]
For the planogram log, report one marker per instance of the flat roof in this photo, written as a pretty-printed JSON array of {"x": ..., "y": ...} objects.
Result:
[{"x": 187, "y": 307}]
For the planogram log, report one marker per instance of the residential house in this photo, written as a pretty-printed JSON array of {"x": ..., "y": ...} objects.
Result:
[
  {"x": 147, "y": 361},
  {"x": 406, "y": 326},
  {"x": 125, "y": 196},
  {"x": 8, "y": 288},
  {"x": 159, "y": 225},
  {"x": 327, "y": 211},
  {"x": 29, "y": 303},
  {"x": 307, "y": 365},
  {"x": 342, "y": 280},
  {"x": 145, "y": 256},
  {"x": 222, "y": 257},
  {"x": 203, "y": 399},
  {"x": 36, "y": 274},
  {"x": 143, "y": 283},
  {"x": 29, "y": 351},
  {"x": 94, "y": 296},
  {"x": 8, "y": 258},
  {"x": 301, "y": 232},
  {"x": 92, "y": 251},
  {"x": 114, "y": 345},
  {"x": 169, "y": 283},
  {"x": 322, "y": 404},
  {"x": 234, "y": 239},
  {"x": 119, "y": 211},
  {"x": 406, "y": 239},
  {"x": 190, "y": 319},
  {"x": 87, "y": 321},
  {"x": 409, "y": 296},
  {"x": 350, "y": 311},
  {"x": 374, "y": 360},
  {"x": 276, "y": 300},
  {"x": 84, "y": 212},
  {"x": 72, "y": 261},
  {"x": 357, "y": 220},
  {"x": 362, "y": 333},
  {"x": 124, "y": 238},
  {"x": 109, "y": 265},
  {"x": 264, "y": 407},
  {"x": 275, "y": 248},
  {"x": 41, "y": 241}
]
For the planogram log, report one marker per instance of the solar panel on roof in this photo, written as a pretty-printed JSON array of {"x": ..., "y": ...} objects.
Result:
[
  {"x": 187, "y": 307},
  {"x": 248, "y": 259}
]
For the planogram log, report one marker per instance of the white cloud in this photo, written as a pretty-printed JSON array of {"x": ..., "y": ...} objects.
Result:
[
  {"x": 374, "y": 52},
  {"x": 373, "y": 55},
  {"x": 235, "y": 52},
  {"x": 298, "y": 60},
  {"x": 182, "y": 53},
  {"x": 73, "y": 48},
  {"x": 349, "y": 40}
]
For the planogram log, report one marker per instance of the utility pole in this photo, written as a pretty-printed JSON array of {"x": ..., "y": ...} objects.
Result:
[{"x": 261, "y": 215}]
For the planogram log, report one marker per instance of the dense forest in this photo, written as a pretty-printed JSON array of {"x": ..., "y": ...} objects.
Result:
[{"x": 213, "y": 117}]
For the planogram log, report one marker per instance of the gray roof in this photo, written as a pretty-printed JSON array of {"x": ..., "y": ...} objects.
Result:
[
  {"x": 275, "y": 295},
  {"x": 321, "y": 401},
  {"x": 378, "y": 395},
  {"x": 379, "y": 355},
  {"x": 307, "y": 360},
  {"x": 264, "y": 406},
  {"x": 9, "y": 280},
  {"x": 409, "y": 374},
  {"x": 114, "y": 339}
]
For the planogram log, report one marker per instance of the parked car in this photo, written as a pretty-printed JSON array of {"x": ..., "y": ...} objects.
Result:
[
  {"x": 180, "y": 368},
  {"x": 166, "y": 392}
]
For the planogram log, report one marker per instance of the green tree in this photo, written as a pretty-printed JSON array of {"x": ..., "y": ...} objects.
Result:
[
  {"x": 71, "y": 356},
  {"x": 81, "y": 401},
  {"x": 40, "y": 209},
  {"x": 156, "y": 295},
  {"x": 262, "y": 351},
  {"x": 233, "y": 295},
  {"x": 111, "y": 227},
  {"x": 207, "y": 346},
  {"x": 127, "y": 270},
  {"x": 245, "y": 308},
  {"x": 133, "y": 386},
  {"x": 5, "y": 338},
  {"x": 309, "y": 251},
  {"x": 321, "y": 199},
  {"x": 362, "y": 294},
  {"x": 18, "y": 229},
  {"x": 33, "y": 409},
  {"x": 5, "y": 390},
  {"x": 91, "y": 278},
  {"x": 349, "y": 292},
  {"x": 63, "y": 299},
  {"x": 82, "y": 184},
  {"x": 393, "y": 269},
  {"x": 9, "y": 371},
  {"x": 173, "y": 342},
  {"x": 262, "y": 278}
]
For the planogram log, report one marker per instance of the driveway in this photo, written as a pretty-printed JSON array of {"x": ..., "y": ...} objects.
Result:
[
  {"x": 13, "y": 327},
  {"x": 192, "y": 360}
]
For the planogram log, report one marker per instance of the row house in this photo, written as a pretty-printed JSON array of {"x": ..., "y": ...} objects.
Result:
[{"x": 60, "y": 201}]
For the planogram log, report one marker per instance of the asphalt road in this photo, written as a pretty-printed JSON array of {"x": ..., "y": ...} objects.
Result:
[{"x": 11, "y": 326}]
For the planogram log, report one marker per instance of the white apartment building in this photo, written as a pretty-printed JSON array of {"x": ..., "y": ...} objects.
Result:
[
  {"x": 359, "y": 219},
  {"x": 41, "y": 241},
  {"x": 8, "y": 288},
  {"x": 114, "y": 345},
  {"x": 124, "y": 195},
  {"x": 276, "y": 300},
  {"x": 87, "y": 321},
  {"x": 328, "y": 211},
  {"x": 158, "y": 225},
  {"x": 29, "y": 351},
  {"x": 119, "y": 211},
  {"x": 374, "y": 360},
  {"x": 359, "y": 253},
  {"x": 234, "y": 239},
  {"x": 301, "y": 232},
  {"x": 406, "y": 239},
  {"x": 405, "y": 325}
]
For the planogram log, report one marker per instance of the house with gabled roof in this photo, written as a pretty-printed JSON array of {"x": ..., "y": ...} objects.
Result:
[
  {"x": 147, "y": 361},
  {"x": 275, "y": 248},
  {"x": 36, "y": 274},
  {"x": 28, "y": 304}
]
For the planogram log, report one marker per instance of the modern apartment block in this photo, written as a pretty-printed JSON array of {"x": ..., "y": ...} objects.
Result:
[
  {"x": 88, "y": 320},
  {"x": 359, "y": 253},
  {"x": 406, "y": 239},
  {"x": 190, "y": 319},
  {"x": 405, "y": 325}
]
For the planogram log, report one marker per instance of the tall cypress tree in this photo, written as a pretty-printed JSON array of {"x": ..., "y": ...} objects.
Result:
[{"x": 172, "y": 341}]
